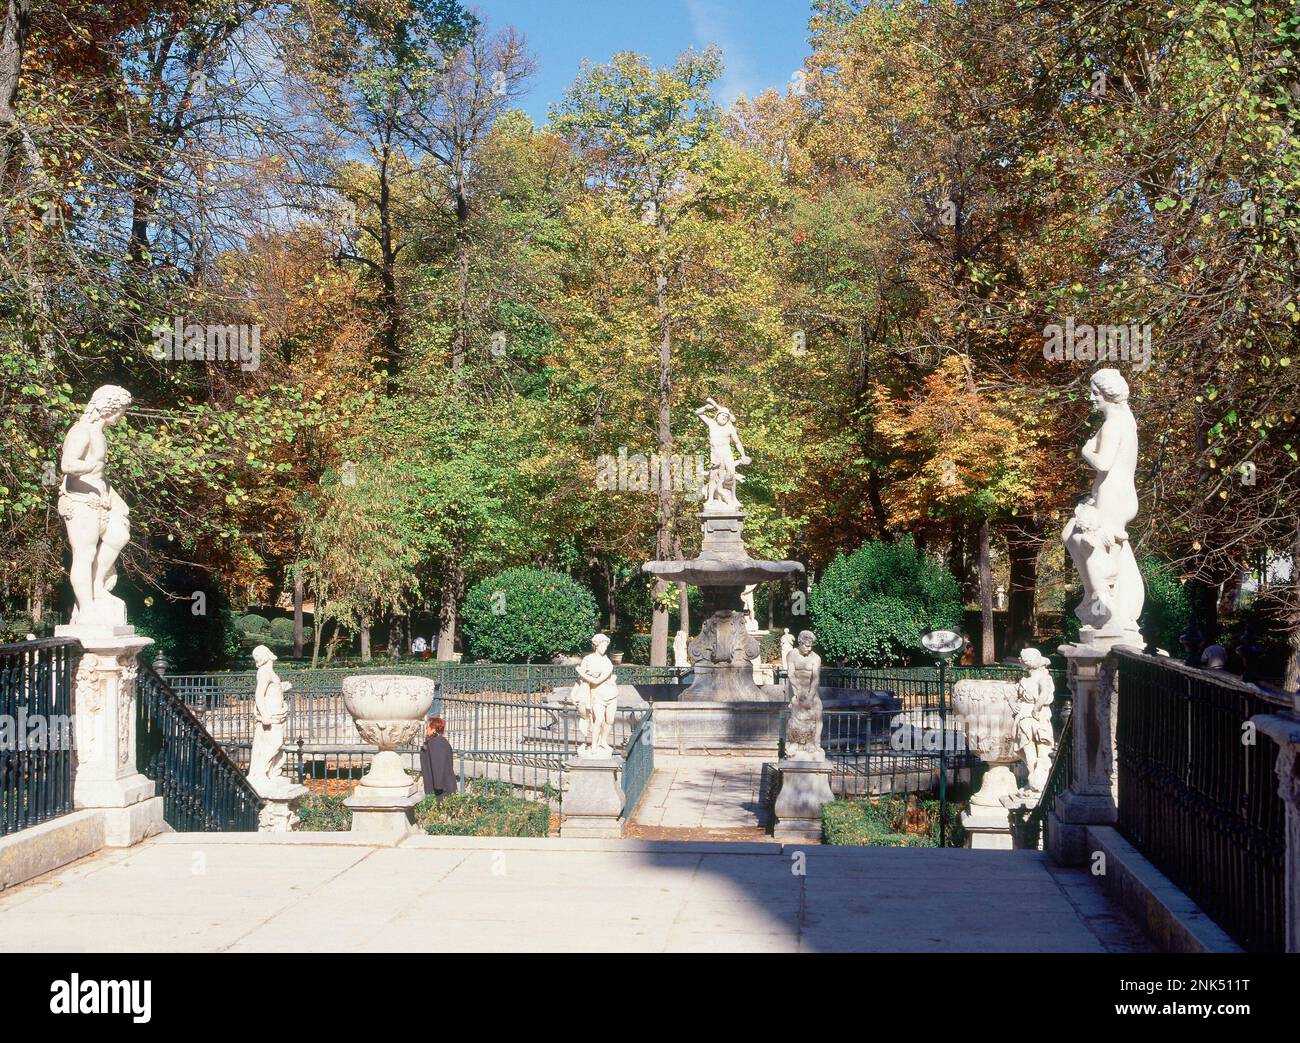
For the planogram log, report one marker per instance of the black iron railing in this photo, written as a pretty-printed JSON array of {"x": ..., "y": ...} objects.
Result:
[
  {"x": 203, "y": 790},
  {"x": 36, "y": 731},
  {"x": 1197, "y": 795}
]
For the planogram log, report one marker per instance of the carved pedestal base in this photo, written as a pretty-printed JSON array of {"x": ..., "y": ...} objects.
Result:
[
  {"x": 594, "y": 799},
  {"x": 105, "y": 712},
  {"x": 384, "y": 820},
  {"x": 805, "y": 787},
  {"x": 282, "y": 798}
]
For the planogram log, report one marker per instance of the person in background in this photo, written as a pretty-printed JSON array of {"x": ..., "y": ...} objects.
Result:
[
  {"x": 435, "y": 760},
  {"x": 967, "y": 651},
  {"x": 418, "y": 646}
]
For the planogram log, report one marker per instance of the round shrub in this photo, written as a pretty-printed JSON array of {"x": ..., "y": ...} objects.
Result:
[
  {"x": 281, "y": 631},
  {"x": 872, "y": 606},
  {"x": 526, "y": 615},
  {"x": 252, "y": 624}
]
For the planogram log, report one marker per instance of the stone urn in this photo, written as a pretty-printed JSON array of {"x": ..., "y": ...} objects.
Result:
[
  {"x": 985, "y": 712},
  {"x": 389, "y": 711}
]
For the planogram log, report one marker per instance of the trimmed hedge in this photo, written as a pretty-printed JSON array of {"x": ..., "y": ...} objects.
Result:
[
  {"x": 252, "y": 624},
  {"x": 527, "y": 615},
  {"x": 487, "y": 809},
  {"x": 871, "y": 607},
  {"x": 885, "y": 822}
]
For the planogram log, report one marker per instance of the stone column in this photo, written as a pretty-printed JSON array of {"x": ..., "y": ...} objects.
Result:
[
  {"x": 104, "y": 699},
  {"x": 1284, "y": 729},
  {"x": 1093, "y": 793},
  {"x": 594, "y": 799},
  {"x": 805, "y": 787}
]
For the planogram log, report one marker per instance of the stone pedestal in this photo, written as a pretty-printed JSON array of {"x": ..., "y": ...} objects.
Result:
[
  {"x": 805, "y": 787},
  {"x": 594, "y": 799},
  {"x": 106, "y": 777},
  {"x": 280, "y": 812},
  {"x": 1284, "y": 729},
  {"x": 383, "y": 804},
  {"x": 1091, "y": 798},
  {"x": 988, "y": 822}
]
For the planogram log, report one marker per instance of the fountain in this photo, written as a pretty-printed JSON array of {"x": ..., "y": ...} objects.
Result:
[{"x": 722, "y": 655}]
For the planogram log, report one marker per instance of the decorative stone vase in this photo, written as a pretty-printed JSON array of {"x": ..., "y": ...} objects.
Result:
[
  {"x": 389, "y": 711},
  {"x": 986, "y": 715}
]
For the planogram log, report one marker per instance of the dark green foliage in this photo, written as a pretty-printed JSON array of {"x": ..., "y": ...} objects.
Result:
[
  {"x": 635, "y": 648},
  {"x": 191, "y": 632},
  {"x": 487, "y": 810},
  {"x": 884, "y": 822},
  {"x": 281, "y": 630},
  {"x": 872, "y": 606},
  {"x": 1167, "y": 609},
  {"x": 253, "y": 624},
  {"x": 526, "y": 615},
  {"x": 324, "y": 814}
]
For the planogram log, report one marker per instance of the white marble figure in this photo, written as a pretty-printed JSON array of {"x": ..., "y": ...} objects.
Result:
[
  {"x": 1035, "y": 740},
  {"x": 803, "y": 731},
  {"x": 787, "y": 644},
  {"x": 270, "y": 712},
  {"x": 747, "y": 599},
  {"x": 596, "y": 694},
  {"x": 723, "y": 477},
  {"x": 97, "y": 519},
  {"x": 680, "y": 656},
  {"x": 1097, "y": 535}
]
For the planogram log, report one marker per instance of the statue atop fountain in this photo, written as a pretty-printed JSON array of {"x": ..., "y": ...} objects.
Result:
[{"x": 722, "y": 654}]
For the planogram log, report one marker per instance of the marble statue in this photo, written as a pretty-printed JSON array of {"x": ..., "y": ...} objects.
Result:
[
  {"x": 97, "y": 519},
  {"x": 723, "y": 476},
  {"x": 1097, "y": 535},
  {"x": 680, "y": 656},
  {"x": 596, "y": 694},
  {"x": 803, "y": 731},
  {"x": 747, "y": 599},
  {"x": 1033, "y": 720},
  {"x": 787, "y": 644},
  {"x": 270, "y": 712}
]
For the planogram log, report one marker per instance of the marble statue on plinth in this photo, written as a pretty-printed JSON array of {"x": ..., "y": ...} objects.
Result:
[
  {"x": 803, "y": 731},
  {"x": 1035, "y": 693},
  {"x": 787, "y": 645},
  {"x": 596, "y": 695},
  {"x": 97, "y": 519},
  {"x": 723, "y": 476},
  {"x": 1097, "y": 535},
  {"x": 270, "y": 713}
]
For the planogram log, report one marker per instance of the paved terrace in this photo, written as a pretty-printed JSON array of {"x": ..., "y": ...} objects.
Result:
[{"x": 324, "y": 892}]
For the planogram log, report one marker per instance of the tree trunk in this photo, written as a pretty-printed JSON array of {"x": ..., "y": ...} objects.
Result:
[
  {"x": 448, "y": 610},
  {"x": 1024, "y": 540},
  {"x": 461, "y": 348},
  {"x": 664, "y": 512},
  {"x": 1291, "y": 679},
  {"x": 13, "y": 42},
  {"x": 365, "y": 640},
  {"x": 297, "y": 611},
  {"x": 988, "y": 652},
  {"x": 396, "y": 637},
  {"x": 318, "y": 624}
]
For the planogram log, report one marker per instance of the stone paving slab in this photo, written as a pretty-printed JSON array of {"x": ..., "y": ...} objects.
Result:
[
  {"x": 698, "y": 792},
  {"x": 207, "y": 892}
]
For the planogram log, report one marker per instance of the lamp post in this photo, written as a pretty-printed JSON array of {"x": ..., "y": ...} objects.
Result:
[{"x": 941, "y": 644}]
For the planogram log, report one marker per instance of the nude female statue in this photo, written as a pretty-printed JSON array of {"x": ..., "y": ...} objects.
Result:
[
  {"x": 97, "y": 519},
  {"x": 1097, "y": 535},
  {"x": 722, "y": 464},
  {"x": 596, "y": 695}
]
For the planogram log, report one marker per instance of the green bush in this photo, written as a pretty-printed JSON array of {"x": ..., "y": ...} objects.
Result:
[
  {"x": 252, "y": 624},
  {"x": 636, "y": 647},
  {"x": 487, "y": 809},
  {"x": 281, "y": 631},
  {"x": 324, "y": 814},
  {"x": 871, "y": 607},
  {"x": 525, "y": 615},
  {"x": 882, "y": 823}
]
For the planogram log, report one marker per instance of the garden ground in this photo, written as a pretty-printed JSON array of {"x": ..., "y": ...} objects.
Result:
[{"x": 319, "y": 892}]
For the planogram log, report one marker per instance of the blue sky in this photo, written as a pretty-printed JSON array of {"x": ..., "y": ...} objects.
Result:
[{"x": 763, "y": 41}]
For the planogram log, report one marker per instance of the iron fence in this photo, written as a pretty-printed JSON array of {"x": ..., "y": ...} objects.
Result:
[
  {"x": 36, "y": 731},
  {"x": 638, "y": 763},
  {"x": 1198, "y": 798},
  {"x": 203, "y": 789}
]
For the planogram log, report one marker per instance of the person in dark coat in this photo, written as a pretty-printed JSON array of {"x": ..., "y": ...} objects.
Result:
[{"x": 436, "y": 762}]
